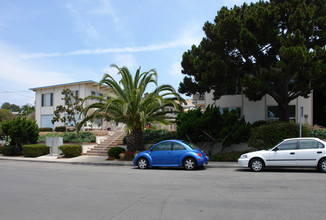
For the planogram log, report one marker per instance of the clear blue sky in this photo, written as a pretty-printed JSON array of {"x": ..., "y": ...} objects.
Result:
[{"x": 54, "y": 42}]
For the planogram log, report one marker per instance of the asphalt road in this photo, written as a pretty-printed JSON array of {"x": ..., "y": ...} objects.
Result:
[{"x": 66, "y": 191}]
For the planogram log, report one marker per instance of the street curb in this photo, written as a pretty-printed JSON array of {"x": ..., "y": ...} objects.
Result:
[{"x": 113, "y": 163}]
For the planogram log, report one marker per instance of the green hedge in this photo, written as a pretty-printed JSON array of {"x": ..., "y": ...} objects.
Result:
[
  {"x": 70, "y": 137},
  {"x": 268, "y": 135},
  {"x": 35, "y": 150},
  {"x": 115, "y": 151},
  {"x": 60, "y": 129},
  {"x": 318, "y": 133},
  {"x": 8, "y": 150},
  {"x": 152, "y": 136},
  {"x": 71, "y": 150},
  {"x": 46, "y": 129},
  {"x": 226, "y": 157}
]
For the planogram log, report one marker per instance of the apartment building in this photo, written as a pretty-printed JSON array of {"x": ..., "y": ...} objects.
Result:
[{"x": 47, "y": 98}]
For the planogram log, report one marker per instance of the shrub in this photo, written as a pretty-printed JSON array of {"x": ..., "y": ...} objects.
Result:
[
  {"x": 258, "y": 123},
  {"x": 8, "y": 150},
  {"x": 60, "y": 129},
  {"x": 21, "y": 131},
  {"x": 46, "y": 129},
  {"x": 226, "y": 157},
  {"x": 318, "y": 133},
  {"x": 129, "y": 156},
  {"x": 42, "y": 138},
  {"x": 35, "y": 150},
  {"x": 71, "y": 137},
  {"x": 268, "y": 135},
  {"x": 115, "y": 151},
  {"x": 153, "y": 136},
  {"x": 71, "y": 150},
  {"x": 214, "y": 124}
]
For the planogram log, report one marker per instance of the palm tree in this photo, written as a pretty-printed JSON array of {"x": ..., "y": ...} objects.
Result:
[{"x": 130, "y": 104}]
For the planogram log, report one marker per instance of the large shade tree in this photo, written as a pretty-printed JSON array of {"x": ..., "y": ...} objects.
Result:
[
  {"x": 271, "y": 47},
  {"x": 131, "y": 104}
]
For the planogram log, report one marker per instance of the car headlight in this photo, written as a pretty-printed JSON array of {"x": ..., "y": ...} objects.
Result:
[{"x": 244, "y": 156}]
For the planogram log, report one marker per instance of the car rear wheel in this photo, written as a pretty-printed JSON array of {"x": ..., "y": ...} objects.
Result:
[
  {"x": 142, "y": 163},
  {"x": 256, "y": 165},
  {"x": 322, "y": 165},
  {"x": 189, "y": 163}
]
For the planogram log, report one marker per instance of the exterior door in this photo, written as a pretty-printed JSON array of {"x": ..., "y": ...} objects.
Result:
[
  {"x": 285, "y": 154},
  {"x": 177, "y": 151},
  {"x": 161, "y": 154},
  {"x": 309, "y": 153}
]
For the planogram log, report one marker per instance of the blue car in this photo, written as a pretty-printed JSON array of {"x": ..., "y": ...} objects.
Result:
[{"x": 172, "y": 153}]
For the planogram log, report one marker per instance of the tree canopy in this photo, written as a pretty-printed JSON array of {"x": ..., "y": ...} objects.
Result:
[
  {"x": 70, "y": 112},
  {"x": 131, "y": 104},
  {"x": 275, "y": 48},
  {"x": 11, "y": 107}
]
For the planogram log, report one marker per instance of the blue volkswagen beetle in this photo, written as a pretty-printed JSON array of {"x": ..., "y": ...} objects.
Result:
[{"x": 172, "y": 153}]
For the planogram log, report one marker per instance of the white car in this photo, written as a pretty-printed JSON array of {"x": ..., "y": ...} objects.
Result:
[{"x": 293, "y": 152}]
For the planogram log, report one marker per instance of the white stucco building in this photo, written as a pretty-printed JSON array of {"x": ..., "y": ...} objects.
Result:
[
  {"x": 47, "y": 98},
  {"x": 265, "y": 109}
]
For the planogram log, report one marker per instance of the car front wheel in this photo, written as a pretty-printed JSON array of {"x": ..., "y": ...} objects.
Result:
[
  {"x": 322, "y": 165},
  {"x": 142, "y": 163},
  {"x": 189, "y": 163},
  {"x": 256, "y": 165}
]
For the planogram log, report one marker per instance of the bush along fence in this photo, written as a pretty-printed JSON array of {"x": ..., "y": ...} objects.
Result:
[
  {"x": 71, "y": 150},
  {"x": 35, "y": 150}
]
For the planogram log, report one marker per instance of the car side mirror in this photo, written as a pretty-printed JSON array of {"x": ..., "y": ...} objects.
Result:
[{"x": 275, "y": 149}]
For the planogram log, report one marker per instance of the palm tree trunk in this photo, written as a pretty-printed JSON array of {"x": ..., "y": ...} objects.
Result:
[{"x": 135, "y": 140}]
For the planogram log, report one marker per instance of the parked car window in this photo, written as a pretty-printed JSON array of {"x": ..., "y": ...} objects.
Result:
[
  {"x": 320, "y": 145},
  {"x": 177, "y": 146},
  {"x": 288, "y": 145},
  {"x": 162, "y": 147},
  {"x": 308, "y": 144}
]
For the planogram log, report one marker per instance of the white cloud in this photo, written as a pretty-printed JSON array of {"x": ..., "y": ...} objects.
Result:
[
  {"x": 105, "y": 8},
  {"x": 127, "y": 60},
  {"x": 175, "y": 70},
  {"x": 23, "y": 75},
  {"x": 121, "y": 60},
  {"x": 82, "y": 25},
  {"x": 152, "y": 47}
]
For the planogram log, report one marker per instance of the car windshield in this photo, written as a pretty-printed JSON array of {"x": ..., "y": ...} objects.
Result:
[{"x": 191, "y": 145}]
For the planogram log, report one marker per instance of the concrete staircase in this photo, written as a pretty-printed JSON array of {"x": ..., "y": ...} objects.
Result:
[{"x": 114, "y": 138}]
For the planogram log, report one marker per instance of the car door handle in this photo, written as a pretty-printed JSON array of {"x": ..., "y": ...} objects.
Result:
[
  {"x": 319, "y": 152},
  {"x": 292, "y": 153}
]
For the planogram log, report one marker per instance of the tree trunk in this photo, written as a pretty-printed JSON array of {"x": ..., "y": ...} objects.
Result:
[
  {"x": 18, "y": 149},
  {"x": 135, "y": 140},
  {"x": 284, "y": 112}
]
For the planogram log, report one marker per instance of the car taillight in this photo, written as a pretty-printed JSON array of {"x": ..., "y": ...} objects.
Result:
[{"x": 199, "y": 154}]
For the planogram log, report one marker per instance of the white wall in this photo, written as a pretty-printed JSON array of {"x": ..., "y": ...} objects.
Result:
[
  {"x": 84, "y": 91},
  {"x": 254, "y": 111}
]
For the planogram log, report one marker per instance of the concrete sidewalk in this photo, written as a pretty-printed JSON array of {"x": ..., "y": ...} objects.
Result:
[{"x": 98, "y": 160}]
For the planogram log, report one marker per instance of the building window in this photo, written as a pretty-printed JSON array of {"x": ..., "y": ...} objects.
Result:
[
  {"x": 96, "y": 94},
  {"x": 201, "y": 96},
  {"x": 274, "y": 113},
  {"x": 47, "y": 99},
  {"x": 46, "y": 121}
]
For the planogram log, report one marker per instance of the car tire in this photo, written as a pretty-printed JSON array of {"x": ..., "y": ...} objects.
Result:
[
  {"x": 322, "y": 165},
  {"x": 189, "y": 163},
  {"x": 256, "y": 165},
  {"x": 142, "y": 163}
]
